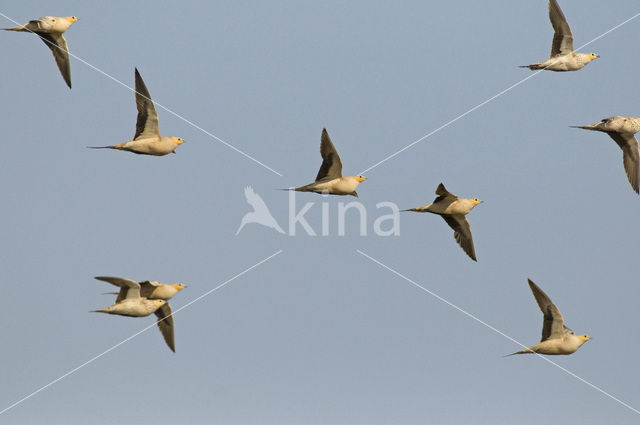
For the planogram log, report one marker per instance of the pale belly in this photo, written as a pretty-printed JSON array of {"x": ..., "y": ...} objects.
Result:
[
  {"x": 555, "y": 347},
  {"x": 339, "y": 186},
  {"x": 568, "y": 62},
  {"x": 460, "y": 206}
]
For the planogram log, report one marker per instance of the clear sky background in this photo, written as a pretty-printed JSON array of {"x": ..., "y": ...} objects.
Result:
[{"x": 319, "y": 334}]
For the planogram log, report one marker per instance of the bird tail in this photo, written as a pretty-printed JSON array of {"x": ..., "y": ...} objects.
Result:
[
  {"x": 533, "y": 66},
  {"x": 18, "y": 28},
  {"x": 419, "y": 209},
  {"x": 120, "y": 146},
  {"x": 525, "y": 351},
  {"x": 593, "y": 127}
]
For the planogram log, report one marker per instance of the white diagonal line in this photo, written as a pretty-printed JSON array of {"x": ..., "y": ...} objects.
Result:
[
  {"x": 417, "y": 285},
  {"x": 492, "y": 98},
  {"x": 72, "y": 371},
  {"x": 175, "y": 114}
]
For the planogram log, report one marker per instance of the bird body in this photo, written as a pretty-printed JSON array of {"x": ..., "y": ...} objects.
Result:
[
  {"x": 329, "y": 180},
  {"x": 569, "y": 344},
  {"x": 557, "y": 339},
  {"x": 50, "y": 30},
  {"x": 622, "y": 130},
  {"x": 339, "y": 186},
  {"x": 133, "y": 308},
  {"x": 459, "y": 206},
  {"x": 569, "y": 62},
  {"x": 156, "y": 146},
  {"x": 147, "y": 139},
  {"x": 453, "y": 210},
  {"x": 47, "y": 25},
  {"x": 562, "y": 57}
]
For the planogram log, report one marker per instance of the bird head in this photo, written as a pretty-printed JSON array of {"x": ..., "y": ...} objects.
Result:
[
  {"x": 592, "y": 56},
  {"x": 475, "y": 201},
  {"x": 159, "y": 303},
  {"x": 360, "y": 179},
  {"x": 584, "y": 338},
  {"x": 179, "y": 286},
  {"x": 72, "y": 19},
  {"x": 178, "y": 141}
]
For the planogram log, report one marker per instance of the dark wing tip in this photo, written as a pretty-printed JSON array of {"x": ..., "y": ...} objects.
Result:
[{"x": 441, "y": 190}]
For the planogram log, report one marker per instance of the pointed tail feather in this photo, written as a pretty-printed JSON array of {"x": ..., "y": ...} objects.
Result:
[
  {"x": 585, "y": 127},
  {"x": 525, "y": 351},
  {"x": 533, "y": 66},
  {"x": 18, "y": 28}
]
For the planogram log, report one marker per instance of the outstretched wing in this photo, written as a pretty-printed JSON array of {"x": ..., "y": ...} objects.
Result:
[
  {"x": 629, "y": 145},
  {"x": 165, "y": 324},
  {"x": 562, "y": 38},
  {"x": 58, "y": 45},
  {"x": 461, "y": 233},
  {"x": 147, "y": 123},
  {"x": 553, "y": 324},
  {"x": 331, "y": 167},
  {"x": 443, "y": 194},
  {"x": 128, "y": 288}
]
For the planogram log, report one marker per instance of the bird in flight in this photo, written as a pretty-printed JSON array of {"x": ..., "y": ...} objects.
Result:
[
  {"x": 453, "y": 210},
  {"x": 147, "y": 139},
  {"x": 329, "y": 179},
  {"x": 562, "y": 57},
  {"x": 50, "y": 30}
]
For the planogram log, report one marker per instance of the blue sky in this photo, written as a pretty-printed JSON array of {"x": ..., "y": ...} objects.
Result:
[{"x": 319, "y": 333}]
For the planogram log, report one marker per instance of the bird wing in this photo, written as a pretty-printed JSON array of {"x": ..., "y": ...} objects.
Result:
[
  {"x": 629, "y": 145},
  {"x": 129, "y": 289},
  {"x": 165, "y": 324},
  {"x": 331, "y": 167},
  {"x": 553, "y": 325},
  {"x": 147, "y": 123},
  {"x": 562, "y": 37},
  {"x": 462, "y": 233},
  {"x": 443, "y": 194},
  {"x": 147, "y": 287},
  {"x": 254, "y": 199},
  {"x": 58, "y": 45}
]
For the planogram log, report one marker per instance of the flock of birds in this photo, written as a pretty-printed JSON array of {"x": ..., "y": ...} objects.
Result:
[{"x": 140, "y": 299}]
